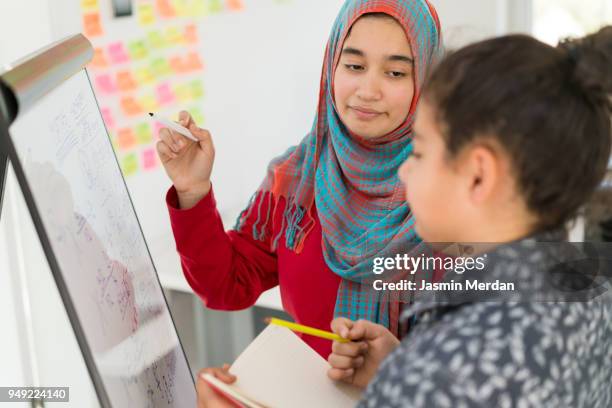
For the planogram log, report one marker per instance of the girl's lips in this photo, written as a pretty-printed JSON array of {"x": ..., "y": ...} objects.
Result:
[{"x": 365, "y": 114}]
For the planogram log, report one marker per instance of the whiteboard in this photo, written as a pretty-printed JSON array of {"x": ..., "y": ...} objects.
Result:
[{"x": 68, "y": 163}]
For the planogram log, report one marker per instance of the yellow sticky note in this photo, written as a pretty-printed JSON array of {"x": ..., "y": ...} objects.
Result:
[
  {"x": 182, "y": 7},
  {"x": 174, "y": 36},
  {"x": 146, "y": 14},
  {"x": 199, "y": 9},
  {"x": 89, "y": 4},
  {"x": 156, "y": 39},
  {"x": 149, "y": 103},
  {"x": 182, "y": 92},
  {"x": 144, "y": 134},
  {"x": 129, "y": 164},
  {"x": 144, "y": 76},
  {"x": 138, "y": 49}
]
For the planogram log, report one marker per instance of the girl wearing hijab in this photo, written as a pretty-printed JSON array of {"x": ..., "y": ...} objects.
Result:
[{"x": 331, "y": 204}]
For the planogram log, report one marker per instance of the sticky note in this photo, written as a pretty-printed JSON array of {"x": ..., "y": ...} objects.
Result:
[
  {"x": 125, "y": 81},
  {"x": 130, "y": 106},
  {"x": 126, "y": 138},
  {"x": 182, "y": 8},
  {"x": 176, "y": 65},
  {"x": 160, "y": 67},
  {"x": 144, "y": 76},
  {"x": 149, "y": 159},
  {"x": 234, "y": 5},
  {"x": 174, "y": 36},
  {"x": 197, "y": 115},
  {"x": 199, "y": 9},
  {"x": 182, "y": 92},
  {"x": 89, "y": 4},
  {"x": 165, "y": 9},
  {"x": 191, "y": 34},
  {"x": 156, "y": 128},
  {"x": 108, "y": 118},
  {"x": 193, "y": 62},
  {"x": 104, "y": 84},
  {"x": 149, "y": 103},
  {"x": 165, "y": 95},
  {"x": 145, "y": 13},
  {"x": 144, "y": 135},
  {"x": 138, "y": 50},
  {"x": 215, "y": 6},
  {"x": 197, "y": 89},
  {"x": 99, "y": 58},
  {"x": 92, "y": 25},
  {"x": 129, "y": 164},
  {"x": 117, "y": 53},
  {"x": 156, "y": 39}
]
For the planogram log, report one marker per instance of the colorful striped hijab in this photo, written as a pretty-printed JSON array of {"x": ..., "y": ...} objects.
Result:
[{"x": 359, "y": 199}]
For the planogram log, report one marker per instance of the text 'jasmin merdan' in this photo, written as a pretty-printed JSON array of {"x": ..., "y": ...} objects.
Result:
[{"x": 413, "y": 264}]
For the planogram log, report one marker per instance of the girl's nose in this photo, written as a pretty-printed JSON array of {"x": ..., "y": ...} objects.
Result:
[{"x": 369, "y": 89}]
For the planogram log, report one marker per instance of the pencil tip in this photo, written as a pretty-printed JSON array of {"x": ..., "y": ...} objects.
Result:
[{"x": 150, "y": 114}]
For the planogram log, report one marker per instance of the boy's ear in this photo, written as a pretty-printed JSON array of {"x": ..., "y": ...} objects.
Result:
[{"x": 483, "y": 172}]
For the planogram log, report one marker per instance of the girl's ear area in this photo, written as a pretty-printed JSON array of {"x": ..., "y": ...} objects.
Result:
[{"x": 482, "y": 169}]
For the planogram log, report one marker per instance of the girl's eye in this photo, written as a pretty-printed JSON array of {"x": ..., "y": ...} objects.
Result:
[
  {"x": 416, "y": 155},
  {"x": 396, "y": 74},
  {"x": 354, "y": 67}
]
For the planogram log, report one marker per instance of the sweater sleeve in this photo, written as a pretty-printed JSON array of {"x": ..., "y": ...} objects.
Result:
[{"x": 228, "y": 270}]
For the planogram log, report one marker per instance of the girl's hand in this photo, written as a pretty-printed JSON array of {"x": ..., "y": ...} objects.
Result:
[
  {"x": 187, "y": 163},
  {"x": 207, "y": 396},
  {"x": 356, "y": 362}
]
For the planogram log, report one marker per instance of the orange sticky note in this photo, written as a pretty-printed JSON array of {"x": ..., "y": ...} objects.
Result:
[
  {"x": 145, "y": 13},
  {"x": 176, "y": 65},
  {"x": 234, "y": 5},
  {"x": 92, "y": 25},
  {"x": 104, "y": 84},
  {"x": 126, "y": 138},
  {"x": 129, "y": 164},
  {"x": 99, "y": 58},
  {"x": 149, "y": 159},
  {"x": 143, "y": 133},
  {"x": 193, "y": 62},
  {"x": 108, "y": 118},
  {"x": 165, "y": 95},
  {"x": 117, "y": 53},
  {"x": 191, "y": 34},
  {"x": 130, "y": 106},
  {"x": 165, "y": 9},
  {"x": 125, "y": 81}
]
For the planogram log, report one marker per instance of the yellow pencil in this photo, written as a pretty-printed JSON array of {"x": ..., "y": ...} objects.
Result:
[{"x": 307, "y": 330}]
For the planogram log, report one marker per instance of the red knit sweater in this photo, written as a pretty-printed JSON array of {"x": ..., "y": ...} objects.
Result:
[{"x": 229, "y": 270}]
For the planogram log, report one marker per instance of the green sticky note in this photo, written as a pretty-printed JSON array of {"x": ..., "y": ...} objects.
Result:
[
  {"x": 143, "y": 133},
  {"x": 160, "y": 67},
  {"x": 156, "y": 39},
  {"x": 215, "y": 6},
  {"x": 129, "y": 164},
  {"x": 197, "y": 89},
  {"x": 197, "y": 115},
  {"x": 138, "y": 49}
]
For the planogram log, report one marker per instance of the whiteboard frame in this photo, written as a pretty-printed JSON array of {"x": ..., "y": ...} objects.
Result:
[{"x": 21, "y": 86}]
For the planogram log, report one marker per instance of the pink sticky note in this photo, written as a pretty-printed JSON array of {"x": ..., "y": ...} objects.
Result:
[
  {"x": 108, "y": 118},
  {"x": 149, "y": 160},
  {"x": 156, "y": 128},
  {"x": 117, "y": 53},
  {"x": 165, "y": 95},
  {"x": 105, "y": 84}
]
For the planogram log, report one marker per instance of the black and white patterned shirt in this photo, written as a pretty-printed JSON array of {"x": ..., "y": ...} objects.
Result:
[{"x": 505, "y": 350}]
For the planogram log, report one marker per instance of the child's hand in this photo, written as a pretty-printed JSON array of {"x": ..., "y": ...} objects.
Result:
[
  {"x": 187, "y": 163},
  {"x": 207, "y": 396},
  {"x": 356, "y": 362}
]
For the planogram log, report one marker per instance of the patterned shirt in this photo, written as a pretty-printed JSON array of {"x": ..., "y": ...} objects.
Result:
[{"x": 527, "y": 348}]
